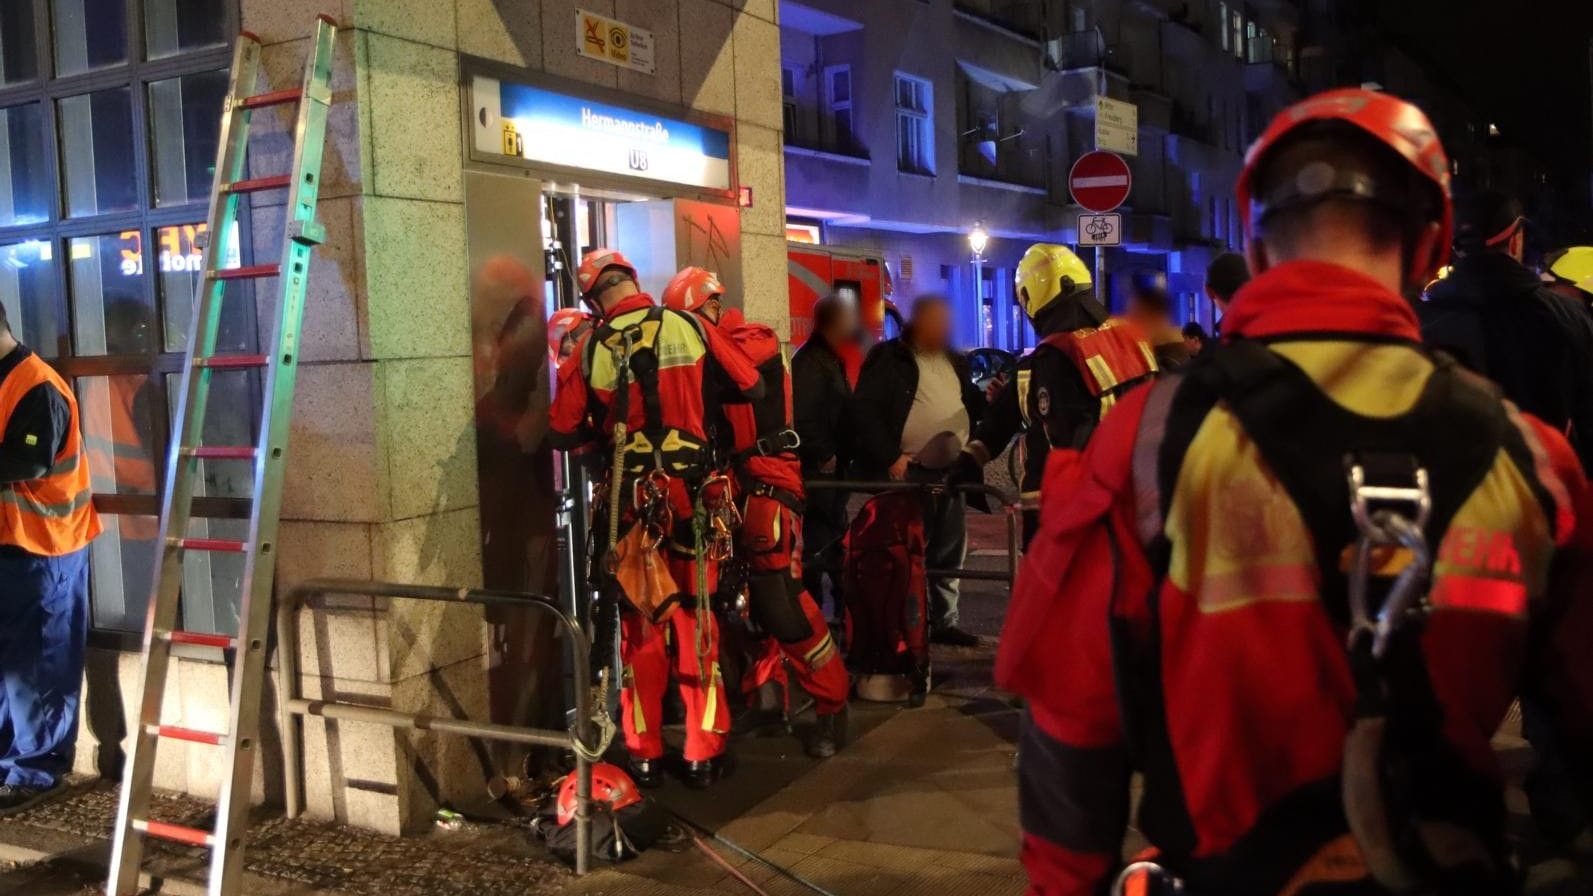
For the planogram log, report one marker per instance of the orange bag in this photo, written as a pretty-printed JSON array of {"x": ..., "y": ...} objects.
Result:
[{"x": 643, "y": 575}]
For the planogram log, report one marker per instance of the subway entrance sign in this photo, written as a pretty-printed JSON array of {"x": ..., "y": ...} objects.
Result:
[{"x": 1100, "y": 181}]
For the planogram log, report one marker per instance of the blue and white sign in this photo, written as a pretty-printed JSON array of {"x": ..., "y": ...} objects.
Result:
[{"x": 539, "y": 125}]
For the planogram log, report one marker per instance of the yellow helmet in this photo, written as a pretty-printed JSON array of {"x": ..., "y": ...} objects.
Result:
[
  {"x": 1573, "y": 266},
  {"x": 1047, "y": 273}
]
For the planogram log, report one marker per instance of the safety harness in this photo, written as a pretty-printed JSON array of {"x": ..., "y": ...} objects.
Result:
[
  {"x": 1365, "y": 487},
  {"x": 655, "y": 446}
]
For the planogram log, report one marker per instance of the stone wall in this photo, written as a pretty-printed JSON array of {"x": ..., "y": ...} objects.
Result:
[{"x": 382, "y": 480}]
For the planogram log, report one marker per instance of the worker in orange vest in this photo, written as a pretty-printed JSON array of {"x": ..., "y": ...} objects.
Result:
[{"x": 47, "y": 520}]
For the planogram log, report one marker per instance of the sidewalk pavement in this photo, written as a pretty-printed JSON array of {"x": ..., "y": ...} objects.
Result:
[{"x": 922, "y": 801}]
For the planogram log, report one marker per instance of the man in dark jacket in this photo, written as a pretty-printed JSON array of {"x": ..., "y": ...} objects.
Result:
[
  {"x": 819, "y": 393},
  {"x": 1498, "y": 318},
  {"x": 911, "y": 391}
]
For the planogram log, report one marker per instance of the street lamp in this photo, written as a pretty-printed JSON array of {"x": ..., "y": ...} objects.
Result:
[{"x": 978, "y": 239}]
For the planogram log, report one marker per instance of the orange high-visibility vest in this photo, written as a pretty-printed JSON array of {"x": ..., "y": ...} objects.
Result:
[
  {"x": 123, "y": 456},
  {"x": 53, "y": 515}
]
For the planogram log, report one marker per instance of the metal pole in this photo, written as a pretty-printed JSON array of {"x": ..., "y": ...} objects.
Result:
[
  {"x": 1100, "y": 251},
  {"x": 288, "y": 724}
]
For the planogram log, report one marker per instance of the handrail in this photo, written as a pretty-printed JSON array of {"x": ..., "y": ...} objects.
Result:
[
  {"x": 293, "y": 707},
  {"x": 1010, "y": 505}
]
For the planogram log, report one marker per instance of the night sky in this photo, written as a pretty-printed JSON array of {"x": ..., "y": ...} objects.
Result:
[{"x": 1525, "y": 64}]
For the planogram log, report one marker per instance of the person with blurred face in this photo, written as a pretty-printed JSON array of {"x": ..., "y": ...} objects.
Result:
[
  {"x": 820, "y": 391},
  {"x": 915, "y": 406},
  {"x": 1150, "y": 309}
]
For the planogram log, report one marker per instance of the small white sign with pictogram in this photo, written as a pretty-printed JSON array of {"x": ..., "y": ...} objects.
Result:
[{"x": 1101, "y": 230}]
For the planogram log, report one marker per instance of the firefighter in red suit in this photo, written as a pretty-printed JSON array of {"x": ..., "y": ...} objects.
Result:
[
  {"x": 1086, "y": 359},
  {"x": 666, "y": 443},
  {"x": 1201, "y": 604},
  {"x": 762, "y": 448}
]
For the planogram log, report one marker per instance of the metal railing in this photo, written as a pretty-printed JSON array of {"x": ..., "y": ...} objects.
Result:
[
  {"x": 294, "y": 707},
  {"x": 1011, "y": 509}
]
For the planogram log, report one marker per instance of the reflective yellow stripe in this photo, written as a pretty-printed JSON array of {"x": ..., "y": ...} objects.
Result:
[
  {"x": 1107, "y": 401},
  {"x": 822, "y": 652},
  {"x": 1150, "y": 355},
  {"x": 638, "y": 718},
  {"x": 1024, "y": 375},
  {"x": 51, "y": 511},
  {"x": 1104, "y": 377},
  {"x": 710, "y": 714}
]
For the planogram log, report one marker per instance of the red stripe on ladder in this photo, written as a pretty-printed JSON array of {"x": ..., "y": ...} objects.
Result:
[
  {"x": 190, "y": 735},
  {"x": 275, "y": 98},
  {"x": 201, "y": 639},
  {"x": 222, "y": 545},
  {"x": 175, "y": 833}
]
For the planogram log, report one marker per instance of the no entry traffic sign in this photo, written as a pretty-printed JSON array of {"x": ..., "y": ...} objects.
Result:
[{"x": 1100, "y": 181}]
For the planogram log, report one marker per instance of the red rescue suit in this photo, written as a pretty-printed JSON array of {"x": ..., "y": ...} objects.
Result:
[
  {"x": 1205, "y": 566},
  {"x": 664, "y": 409},
  {"x": 769, "y": 474}
]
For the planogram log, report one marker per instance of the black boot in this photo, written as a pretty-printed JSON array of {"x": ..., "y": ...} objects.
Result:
[
  {"x": 829, "y": 734},
  {"x": 701, "y": 774},
  {"x": 647, "y": 773}
]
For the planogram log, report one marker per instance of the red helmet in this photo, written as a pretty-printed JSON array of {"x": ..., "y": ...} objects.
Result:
[
  {"x": 1395, "y": 123},
  {"x": 566, "y": 322},
  {"x": 691, "y": 289},
  {"x": 610, "y": 785},
  {"x": 595, "y": 262}
]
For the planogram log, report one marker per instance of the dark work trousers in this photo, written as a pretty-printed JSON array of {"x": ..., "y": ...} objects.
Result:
[
  {"x": 946, "y": 534},
  {"x": 44, "y": 605},
  {"x": 823, "y": 527}
]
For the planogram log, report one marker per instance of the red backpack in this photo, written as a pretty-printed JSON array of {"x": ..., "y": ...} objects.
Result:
[{"x": 887, "y": 597}]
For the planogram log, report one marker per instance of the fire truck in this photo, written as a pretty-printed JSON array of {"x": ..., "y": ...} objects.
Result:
[{"x": 813, "y": 272}]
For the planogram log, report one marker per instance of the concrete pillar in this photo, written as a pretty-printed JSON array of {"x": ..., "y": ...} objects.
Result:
[
  {"x": 383, "y": 467},
  {"x": 382, "y": 481}
]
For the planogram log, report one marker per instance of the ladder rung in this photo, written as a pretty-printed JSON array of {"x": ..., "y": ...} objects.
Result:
[
  {"x": 275, "y": 98},
  {"x": 251, "y": 272},
  {"x": 220, "y": 452},
  {"x": 201, "y": 639},
  {"x": 190, "y": 735},
  {"x": 257, "y": 184},
  {"x": 174, "y": 832},
  {"x": 222, "y": 545},
  {"x": 230, "y": 362}
]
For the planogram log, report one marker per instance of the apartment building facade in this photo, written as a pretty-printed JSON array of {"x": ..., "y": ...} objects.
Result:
[{"x": 908, "y": 124}]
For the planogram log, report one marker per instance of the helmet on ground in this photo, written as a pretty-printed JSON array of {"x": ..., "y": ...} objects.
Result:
[
  {"x": 1393, "y": 123},
  {"x": 1572, "y": 266},
  {"x": 691, "y": 289},
  {"x": 1047, "y": 274},
  {"x": 610, "y": 785},
  {"x": 571, "y": 323},
  {"x": 594, "y": 263}
]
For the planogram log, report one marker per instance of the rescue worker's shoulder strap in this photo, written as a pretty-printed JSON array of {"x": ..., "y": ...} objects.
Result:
[{"x": 697, "y": 325}]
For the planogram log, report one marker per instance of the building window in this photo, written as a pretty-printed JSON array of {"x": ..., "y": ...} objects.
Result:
[
  {"x": 110, "y": 113},
  {"x": 788, "y": 103},
  {"x": 1222, "y": 27},
  {"x": 838, "y": 107},
  {"x": 1236, "y": 24},
  {"x": 915, "y": 146}
]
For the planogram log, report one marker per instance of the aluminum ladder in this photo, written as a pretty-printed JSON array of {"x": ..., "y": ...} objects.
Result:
[{"x": 237, "y": 746}]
